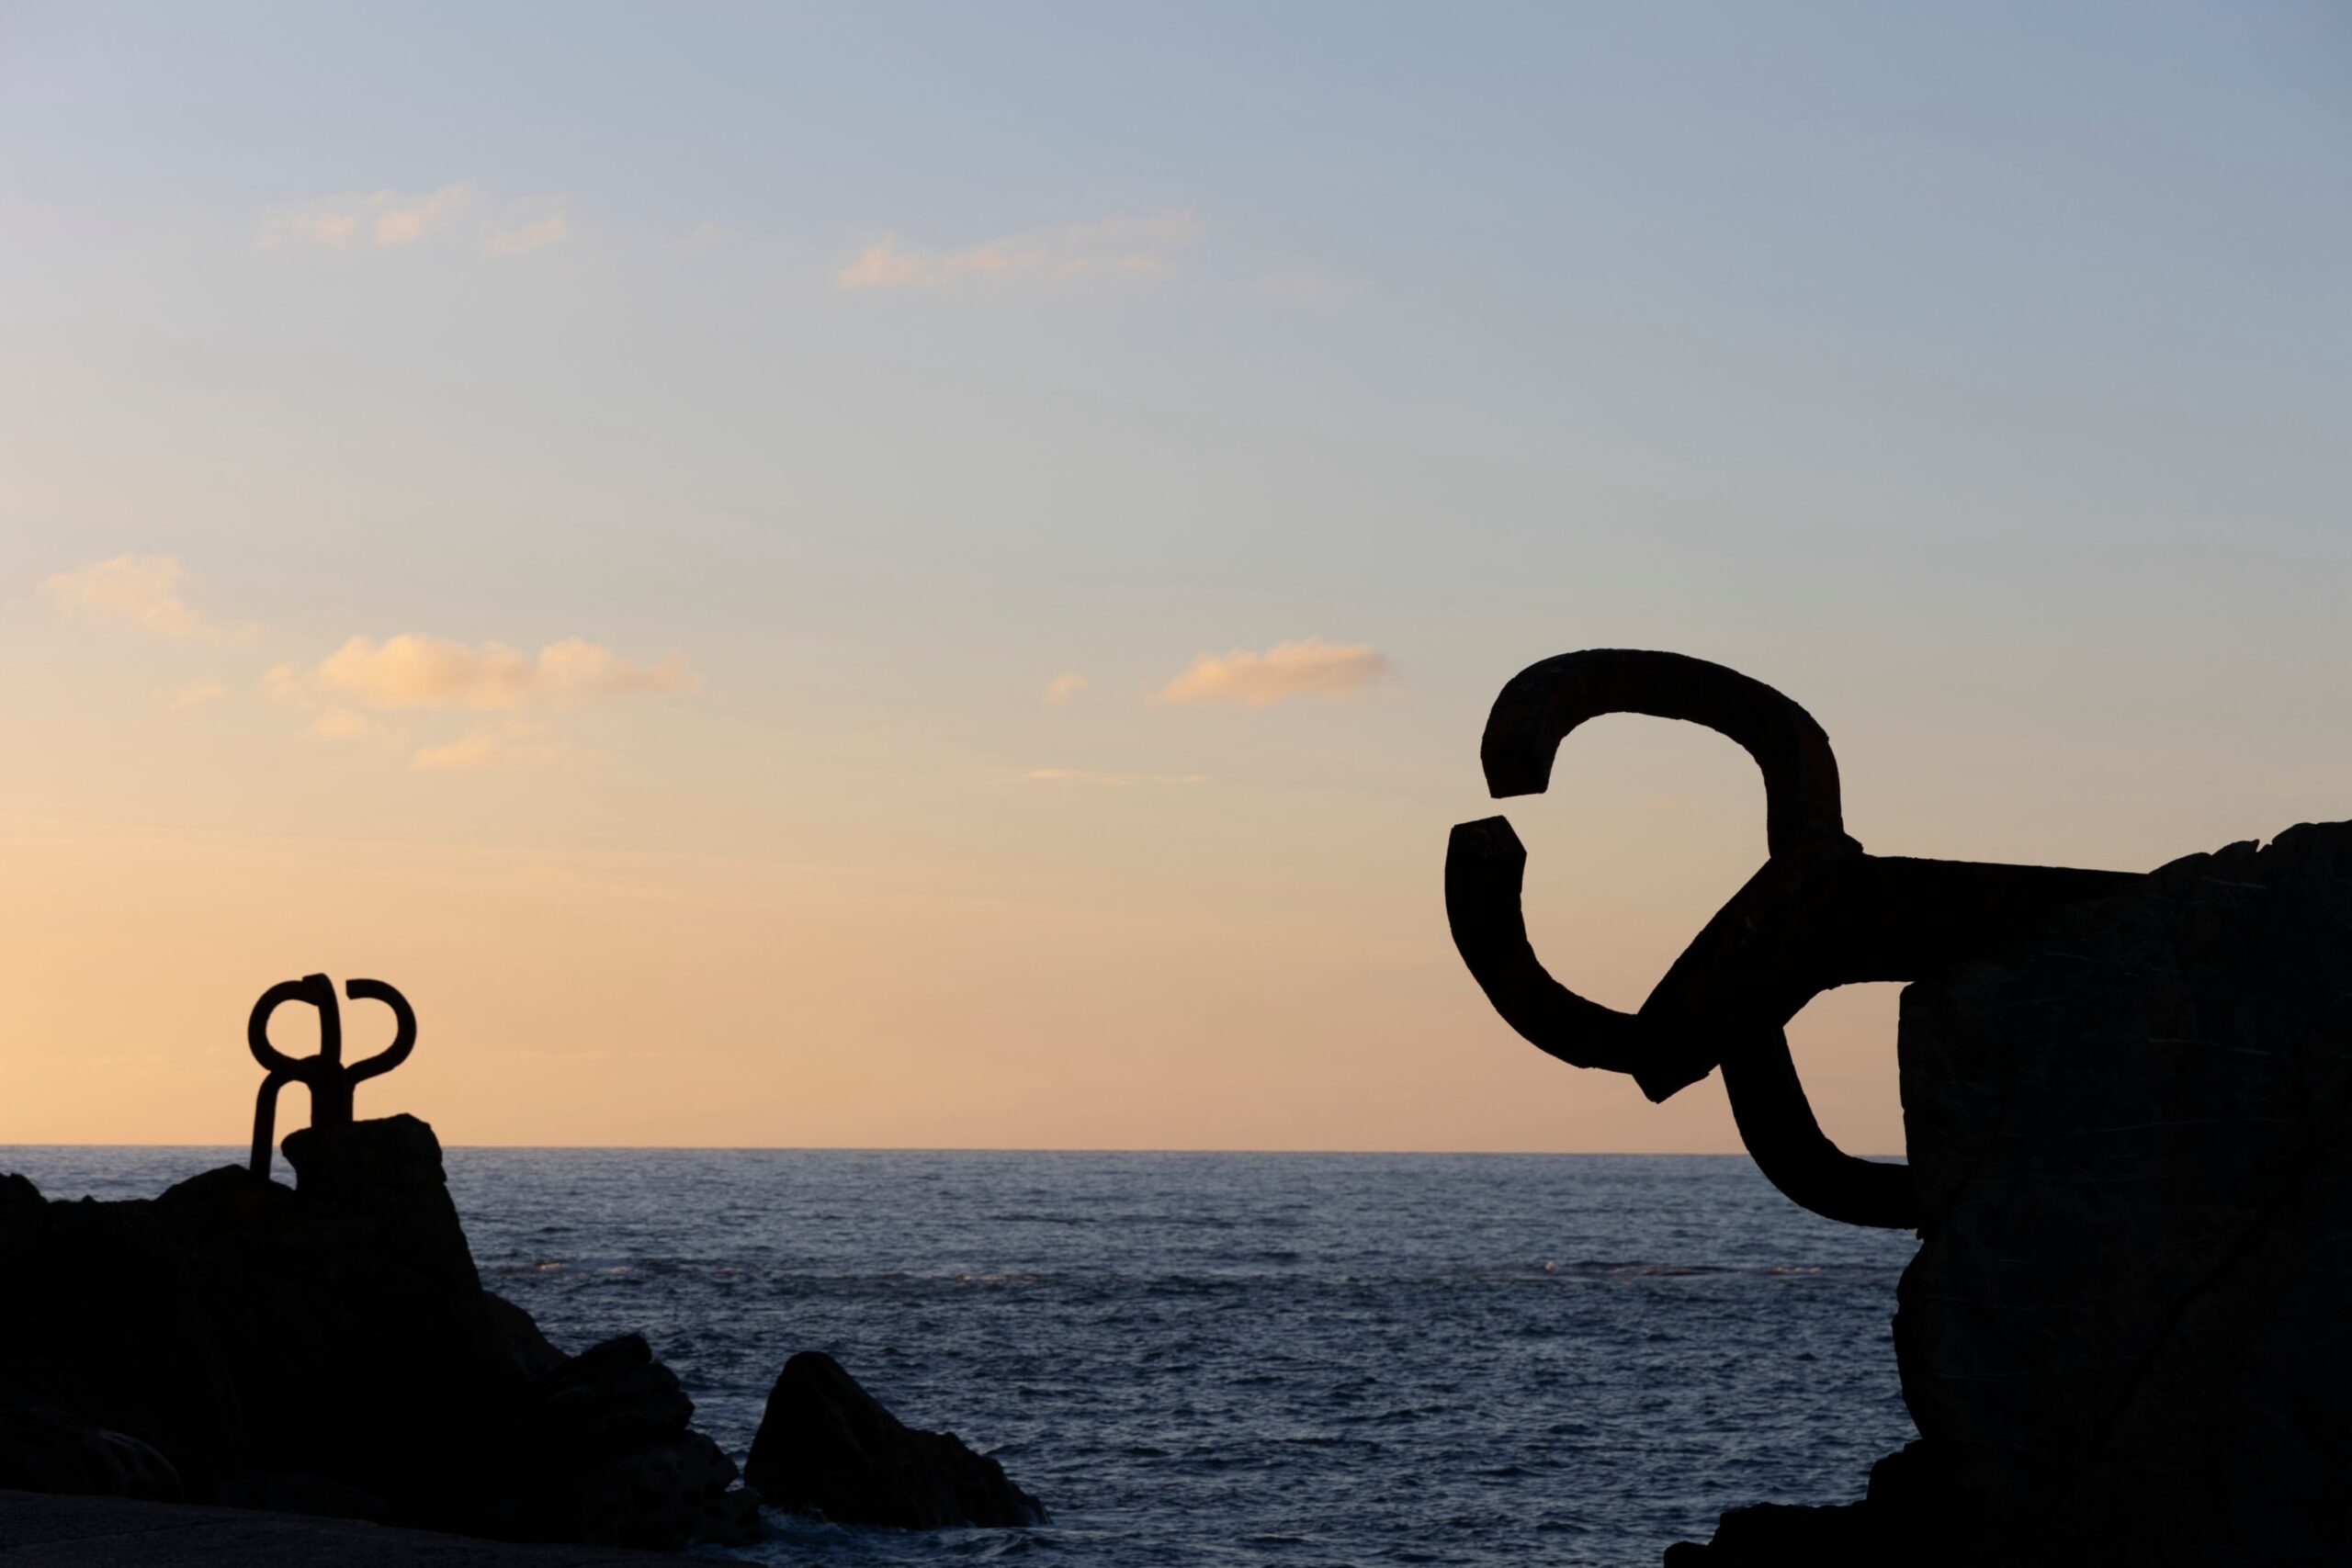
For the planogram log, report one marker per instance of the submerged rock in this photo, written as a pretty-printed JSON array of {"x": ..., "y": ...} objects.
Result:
[
  {"x": 331, "y": 1350},
  {"x": 828, "y": 1447}
]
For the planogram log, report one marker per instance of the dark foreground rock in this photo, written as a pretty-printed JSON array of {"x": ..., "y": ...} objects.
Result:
[
  {"x": 330, "y": 1350},
  {"x": 57, "y": 1532},
  {"x": 1907, "y": 1519},
  {"x": 46, "y": 1447},
  {"x": 2127, "y": 1335},
  {"x": 829, "y": 1449}
]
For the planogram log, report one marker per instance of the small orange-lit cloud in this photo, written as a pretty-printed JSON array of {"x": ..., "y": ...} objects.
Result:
[
  {"x": 409, "y": 672},
  {"x": 1308, "y": 668},
  {"x": 1115, "y": 247},
  {"x": 513, "y": 744},
  {"x": 1062, "y": 688},
  {"x": 143, "y": 591}
]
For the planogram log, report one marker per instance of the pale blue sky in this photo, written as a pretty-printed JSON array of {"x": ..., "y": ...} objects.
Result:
[{"x": 1977, "y": 374}]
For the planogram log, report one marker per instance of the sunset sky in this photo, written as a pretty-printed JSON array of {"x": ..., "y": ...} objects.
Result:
[{"x": 930, "y": 575}]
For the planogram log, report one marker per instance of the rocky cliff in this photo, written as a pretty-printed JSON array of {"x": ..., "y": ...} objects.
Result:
[{"x": 2127, "y": 1335}]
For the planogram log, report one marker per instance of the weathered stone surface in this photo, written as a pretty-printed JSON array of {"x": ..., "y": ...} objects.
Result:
[
  {"x": 390, "y": 1171},
  {"x": 2128, "y": 1333},
  {"x": 331, "y": 1350},
  {"x": 1909, "y": 1518},
  {"x": 44, "y": 1448},
  {"x": 1771, "y": 1535},
  {"x": 57, "y": 1532},
  {"x": 599, "y": 1450},
  {"x": 828, "y": 1447}
]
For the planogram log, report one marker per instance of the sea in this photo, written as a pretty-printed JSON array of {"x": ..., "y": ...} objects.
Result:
[{"x": 1200, "y": 1358}]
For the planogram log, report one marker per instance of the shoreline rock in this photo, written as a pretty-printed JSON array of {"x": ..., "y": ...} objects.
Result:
[
  {"x": 827, "y": 1449},
  {"x": 330, "y": 1349}
]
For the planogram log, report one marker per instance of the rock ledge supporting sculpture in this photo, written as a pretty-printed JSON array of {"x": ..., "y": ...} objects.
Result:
[{"x": 331, "y": 1350}]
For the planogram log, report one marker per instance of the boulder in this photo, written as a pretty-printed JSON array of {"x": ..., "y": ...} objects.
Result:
[
  {"x": 388, "y": 1170},
  {"x": 826, "y": 1448},
  {"x": 599, "y": 1450}
]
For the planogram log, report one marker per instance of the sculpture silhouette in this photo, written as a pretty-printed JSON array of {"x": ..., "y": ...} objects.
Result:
[
  {"x": 1820, "y": 913},
  {"x": 330, "y": 1082}
]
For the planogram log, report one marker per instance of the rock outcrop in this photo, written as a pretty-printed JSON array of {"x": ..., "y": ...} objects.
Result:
[
  {"x": 826, "y": 1448},
  {"x": 2124, "y": 1338},
  {"x": 331, "y": 1350},
  {"x": 44, "y": 1448}
]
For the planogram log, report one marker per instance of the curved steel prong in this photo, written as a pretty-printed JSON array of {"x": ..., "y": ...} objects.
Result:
[
  {"x": 1543, "y": 703},
  {"x": 316, "y": 990},
  {"x": 1745, "y": 974},
  {"x": 1777, "y": 1123},
  {"x": 1484, "y": 864},
  {"x": 1536, "y": 710},
  {"x": 403, "y": 1027},
  {"x": 265, "y": 1123}
]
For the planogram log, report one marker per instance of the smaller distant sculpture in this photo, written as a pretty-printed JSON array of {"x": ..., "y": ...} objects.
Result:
[{"x": 329, "y": 1080}]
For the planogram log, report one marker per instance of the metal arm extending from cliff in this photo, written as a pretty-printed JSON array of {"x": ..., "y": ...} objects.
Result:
[{"x": 1819, "y": 914}]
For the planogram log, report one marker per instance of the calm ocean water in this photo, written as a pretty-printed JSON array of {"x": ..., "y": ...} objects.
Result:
[{"x": 1212, "y": 1358}]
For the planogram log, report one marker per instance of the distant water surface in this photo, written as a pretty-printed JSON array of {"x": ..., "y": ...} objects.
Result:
[{"x": 1216, "y": 1357}]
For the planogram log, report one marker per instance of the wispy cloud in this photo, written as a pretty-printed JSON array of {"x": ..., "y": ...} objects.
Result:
[
  {"x": 196, "y": 696},
  {"x": 381, "y": 220},
  {"x": 409, "y": 672},
  {"x": 549, "y": 230},
  {"x": 337, "y": 723},
  {"x": 1300, "y": 289},
  {"x": 510, "y": 745},
  {"x": 1310, "y": 667},
  {"x": 1096, "y": 776},
  {"x": 389, "y": 219},
  {"x": 142, "y": 591},
  {"x": 1114, "y": 247},
  {"x": 1062, "y": 688}
]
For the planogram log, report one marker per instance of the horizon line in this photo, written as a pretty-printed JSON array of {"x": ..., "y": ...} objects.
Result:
[{"x": 988, "y": 1149}]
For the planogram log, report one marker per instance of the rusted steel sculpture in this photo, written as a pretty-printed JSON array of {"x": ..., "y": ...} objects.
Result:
[
  {"x": 1821, "y": 913},
  {"x": 330, "y": 1082}
]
